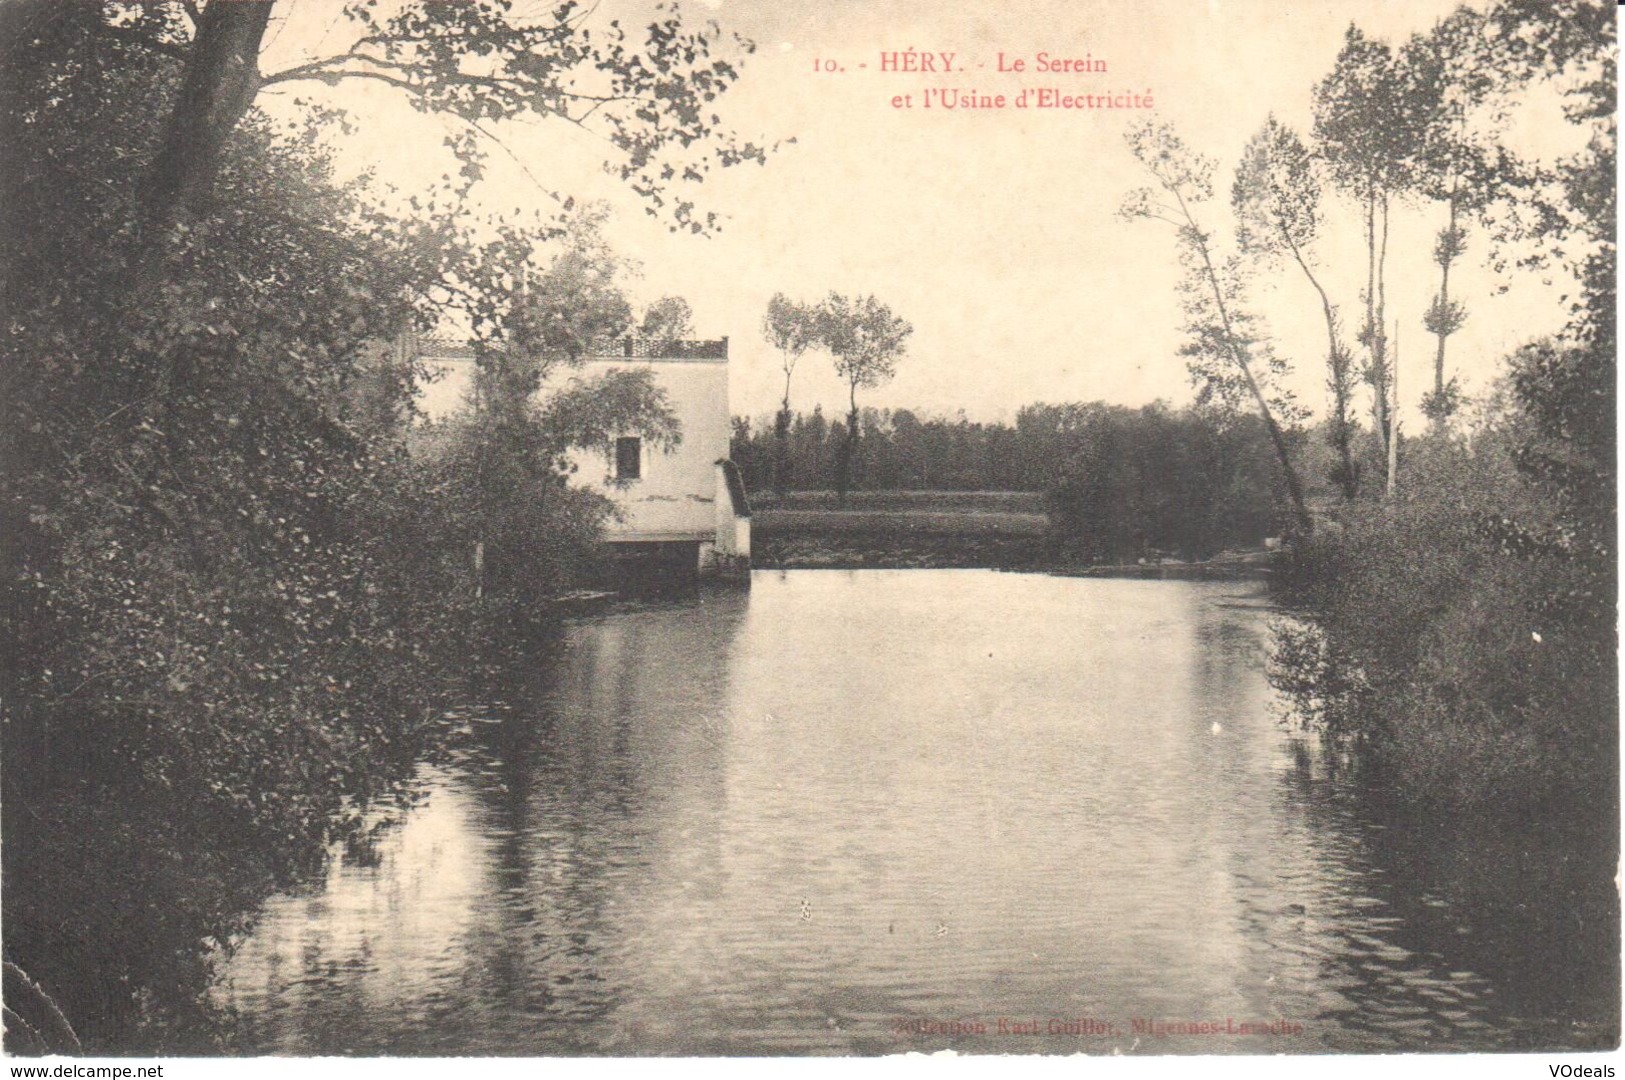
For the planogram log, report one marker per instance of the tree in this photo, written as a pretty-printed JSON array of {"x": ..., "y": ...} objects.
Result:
[
  {"x": 652, "y": 105},
  {"x": 666, "y": 320},
  {"x": 505, "y": 460},
  {"x": 1221, "y": 345},
  {"x": 230, "y": 608},
  {"x": 219, "y": 651},
  {"x": 865, "y": 339},
  {"x": 574, "y": 304},
  {"x": 1276, "y": 196},
  {"x": 792, "y": 328},
  {"x": 1131, "y": 484},
  {"x": 1446, "y": 76},
  {"x": 505, "y": 470},
  {"x": 1368, "y": 131},
  {"x": 1567, "y": 386},
  {"x": 1486, "y": 673}
]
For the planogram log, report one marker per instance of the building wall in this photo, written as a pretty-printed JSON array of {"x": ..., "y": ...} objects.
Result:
[
  {"x": 676, "y": 497},
  {"x": 681, "y": 496},
  {"x": 733, "y": 515}
]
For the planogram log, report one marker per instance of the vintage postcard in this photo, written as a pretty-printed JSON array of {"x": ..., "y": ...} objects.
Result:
[{"x": 743, "y": 529}]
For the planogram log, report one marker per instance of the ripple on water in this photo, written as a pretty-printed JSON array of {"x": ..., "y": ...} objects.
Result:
[{"x": 786, "y": 822}]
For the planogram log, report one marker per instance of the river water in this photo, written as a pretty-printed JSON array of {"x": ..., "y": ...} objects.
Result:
[{"x": 878, "y": 811}]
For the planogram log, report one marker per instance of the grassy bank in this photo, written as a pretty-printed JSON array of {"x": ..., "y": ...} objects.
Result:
[
  {"x": 784, "y": 523},
  {"x": 967, "y": 502},
  {"x": 1003, "y": 529},
  {"x": 992, "y": 529}
]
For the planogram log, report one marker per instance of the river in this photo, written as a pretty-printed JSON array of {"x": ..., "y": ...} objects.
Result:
[{"x": 877, "y": 811}]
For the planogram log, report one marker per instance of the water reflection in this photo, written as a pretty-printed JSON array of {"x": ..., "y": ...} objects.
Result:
[
  {"x": 849, "y": 806},
  {"x": 1491, "y": 934}
]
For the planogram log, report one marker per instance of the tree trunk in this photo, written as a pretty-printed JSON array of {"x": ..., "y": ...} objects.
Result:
[
  {"x": 1376, "y": 373},
  {"x": 849, "y": 446},
  {"x": 1238, "y": 355},
  {"x": 1393, "y": 422},
  {"x": 222, "y": 77},
  {"x": 1337, "y": 363},
  {"x": 1385, "y": 370},
  {"x": 1438, "y": 412},
  {"x": 781, "y": 443},
  {"x": 1444, "y": 303},
  {"x": 781, "y": 451}
]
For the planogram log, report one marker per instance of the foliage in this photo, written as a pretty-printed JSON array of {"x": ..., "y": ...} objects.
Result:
[
  {"x": 574, "y": 303},
  {"x": 652, "y": 102},
  {"x": 1140, "y": 484},
  {"x": 1277, "y": 194},
  {"x": 521, "y": 531},
  {"x": 1443, "y": 657},
  {"x": 235, "y": 599},
  {"x": 219, "y": 651},
  {"x": 1120, "y": 483},
  {"x": 1276, "y": 197},
  {"x": 667, "y": 319},
  {"x": 1228, "y": 358},
  {"x": 502, "y": 466},
  {"x": 896, "y": 450},
  {"x": 865, "y": 339},
  {"x": 1365, "y": 122},
  {"x": 1447, "y": 80},
  {"x": 1464, "y": 630},
  {"x": 792, "y": 328}
]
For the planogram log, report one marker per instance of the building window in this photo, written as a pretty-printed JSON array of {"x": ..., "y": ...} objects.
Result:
[{"x": 628, "y": 458}]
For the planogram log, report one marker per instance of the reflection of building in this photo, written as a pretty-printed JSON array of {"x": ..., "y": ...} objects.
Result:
[{"x": 682, "y": 512}]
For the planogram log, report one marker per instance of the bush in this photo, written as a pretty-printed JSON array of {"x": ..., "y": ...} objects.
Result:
[
  {"x": 226, "y": 632},
  {"x": 1438, "y": 648}
]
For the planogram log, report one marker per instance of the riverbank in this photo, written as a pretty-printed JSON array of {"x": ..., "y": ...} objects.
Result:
[
  {"x": 995, "y": 530},
  {"x": 1225, "y": 566},
  {"x": 903, "y": 551},
  {"x": 900, "y": 530}
]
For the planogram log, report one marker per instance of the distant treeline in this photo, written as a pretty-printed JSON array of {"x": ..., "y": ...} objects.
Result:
[{"x": 1119, "y": 482}]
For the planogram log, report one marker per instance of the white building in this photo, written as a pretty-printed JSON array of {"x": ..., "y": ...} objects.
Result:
[{"x": 682, "y": 511}]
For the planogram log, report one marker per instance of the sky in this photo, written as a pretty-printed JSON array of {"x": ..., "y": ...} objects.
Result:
[{"x": 994, "y": 231}]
